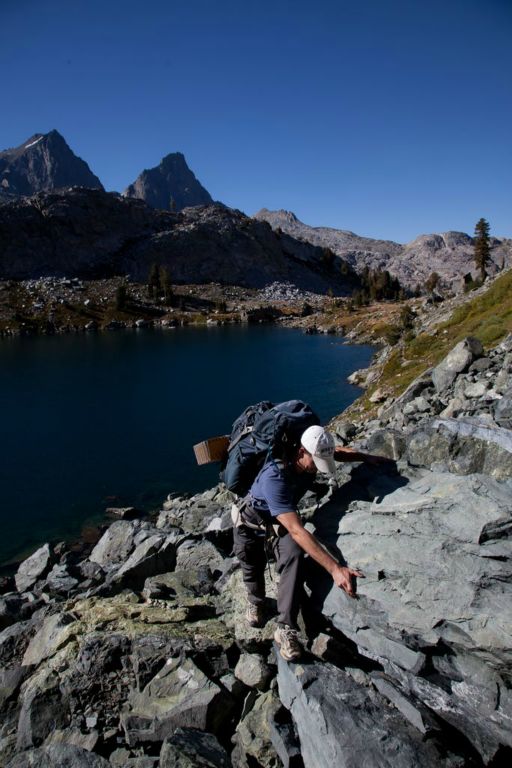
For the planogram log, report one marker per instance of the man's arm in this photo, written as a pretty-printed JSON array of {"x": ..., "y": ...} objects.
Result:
[
  {"x": 342, "y": 575},
  {"x": 341, "y": 453}
]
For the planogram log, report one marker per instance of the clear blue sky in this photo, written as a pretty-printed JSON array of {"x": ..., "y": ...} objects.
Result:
[{"x": 390, "y": 118}]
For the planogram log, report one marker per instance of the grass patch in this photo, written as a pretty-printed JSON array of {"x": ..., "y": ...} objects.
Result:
[{"x": 487, "y": 317}]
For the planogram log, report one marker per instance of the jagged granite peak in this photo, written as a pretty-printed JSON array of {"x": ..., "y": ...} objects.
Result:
[
  {"x": 171, "y": 185},
  {"x": 450, "y": 254},
  {"x": 43, "y": 163}
]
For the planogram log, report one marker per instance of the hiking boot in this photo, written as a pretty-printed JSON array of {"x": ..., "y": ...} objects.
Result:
[
  {"x": 255, "y": 614},
  {"x": 288, "y": 642}
]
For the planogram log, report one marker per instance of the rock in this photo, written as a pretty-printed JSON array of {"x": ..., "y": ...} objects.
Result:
[
  {"x": 117, "y": 543},
  {"x": 42, "y": 709},
  {"x": 192, "y": 748},
  {"x": 180, "y": 695},
  {"x": 253, "y": 671},
  {"x": 387, "y": 442},
  {"x": 340, "y": 722},
  {"x": 60, "y": 581},
  {"x": 193, "y": 554},
  {"x": 345, "y": 431},
  {"x": 156, "y": 554},
  {"x": 462, "y": 446},
  {"x": 478, "y": 389},
  {"x": 503, "y": 411},
  {"x": 431, "y": 583},
  {"x": 483, "y": 364},
  {"x": 55, "y": 632},
  {"x": 59, "y": 756},
  {"x": 10, "y": 610},
  {"x": 179, "y": 585},
  {"x": 33, "y": 568},
  {"x": 413, "y": 711},
  {"x": 457, "y": 361},
  {"x": 73, "y": 736},
  {"x": 253, "y": 737},
  {"x": 378, "y": 396}
]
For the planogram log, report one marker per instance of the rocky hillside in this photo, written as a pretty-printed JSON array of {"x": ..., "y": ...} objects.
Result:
[
  {"x": 91, "y": 233},
  {"x": 171, "y": 185},
  {"x": 449, "y": 254},
  {"x": 41, "y": 164},
  {"x": 135, "y": 652}
]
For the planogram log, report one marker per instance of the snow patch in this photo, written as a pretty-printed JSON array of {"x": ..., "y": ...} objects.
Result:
[{"x": 34, "y": 142}]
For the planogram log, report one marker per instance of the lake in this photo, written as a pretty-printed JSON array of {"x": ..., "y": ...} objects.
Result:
[{"x": 110, "y": 419}]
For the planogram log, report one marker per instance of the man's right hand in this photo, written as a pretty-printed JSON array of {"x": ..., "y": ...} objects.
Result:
[{"x": 345, "y": 579}]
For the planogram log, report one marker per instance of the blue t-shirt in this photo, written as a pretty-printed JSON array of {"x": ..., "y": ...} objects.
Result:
[{"x": 278, "y": 489}]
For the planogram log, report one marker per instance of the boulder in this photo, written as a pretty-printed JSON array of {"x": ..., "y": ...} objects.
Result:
[
  {"x": 55, "y": 632},
  {"x": 343, "y": 723},
  {"x": 60, "y": 581},
  {"x": 116, "y": 544},
  {"x": 33, "y": 568},
  {"x": 437, "y": 595},
  {"x": 179, "y": 585},
  {"x": 253, "y": 671},
  {"x": 253, "y": 736},
  {"x": 194, "y": 554},
  {"x": 156, "y": 554},
  {"x": 180, "y": 695},
  {"x": 455, "y": 362},
  {"x": 192, "y": 748},
  {"x": 387, "y": 442},
  {"x": 462, "y": 446},
  {"x": 43, "y": 709}
]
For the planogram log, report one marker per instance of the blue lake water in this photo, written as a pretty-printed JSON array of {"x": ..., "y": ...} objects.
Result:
[{"x": 110, "y": 419}]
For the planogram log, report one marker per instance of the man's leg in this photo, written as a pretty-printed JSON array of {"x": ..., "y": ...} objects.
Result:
[
  {"x": 290, "y": 569},
  {"x": 249, "y": 547}
]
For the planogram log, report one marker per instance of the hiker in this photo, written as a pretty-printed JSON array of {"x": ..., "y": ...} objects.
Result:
[{"x": 273, "y": 499}]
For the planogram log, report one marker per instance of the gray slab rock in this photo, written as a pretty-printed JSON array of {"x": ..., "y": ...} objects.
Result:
[
  {"x": 342, "y": 723},
  {"x": 55, "y": 632},
  {"x": 118, "y": 542},
  {"x": 33, "y": 568},
  {"x": 43, "y": 709},
  {"x": 58, "y": 756},
  {"x": 456, "y": 361},
  {"x": 180, "y": 695},
  {"x": 154, "y": 555},
  {"x": 463, "y": 446},
  {"x": 434, "y": 578},
  {"x": 192, "y": 748}
]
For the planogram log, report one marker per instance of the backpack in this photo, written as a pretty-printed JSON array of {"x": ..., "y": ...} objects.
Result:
[{"x": 263, "y": 431}]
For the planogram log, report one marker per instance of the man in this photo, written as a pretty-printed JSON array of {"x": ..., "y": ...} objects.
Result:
[{"x": 272, "y": 499}]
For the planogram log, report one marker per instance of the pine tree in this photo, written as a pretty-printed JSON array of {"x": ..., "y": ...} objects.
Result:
[
  {"x": 482, "y": 249},
  {"x": 154, "y": 285},
  {"x": 166, "y": 285}
]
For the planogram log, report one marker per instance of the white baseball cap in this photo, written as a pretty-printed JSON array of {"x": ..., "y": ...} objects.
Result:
[{"x": 320, "y": 444}]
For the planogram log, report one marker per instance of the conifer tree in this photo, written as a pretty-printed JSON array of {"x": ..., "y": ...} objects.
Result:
[{"x": 482, "y": 249}]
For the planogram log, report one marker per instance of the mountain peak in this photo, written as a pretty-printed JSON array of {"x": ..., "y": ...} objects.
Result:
[
  {"x": 43, "y": 163},
  {"x": 170, "y": 184}
]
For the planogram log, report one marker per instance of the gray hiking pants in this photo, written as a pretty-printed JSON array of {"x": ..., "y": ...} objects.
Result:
[{"x": 250, "y": 550}]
